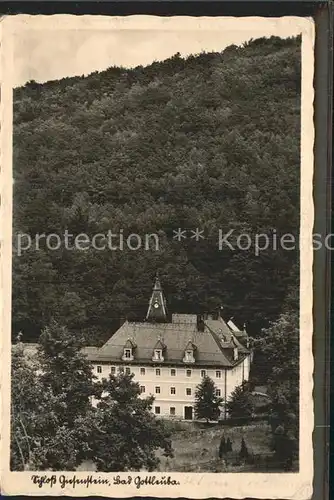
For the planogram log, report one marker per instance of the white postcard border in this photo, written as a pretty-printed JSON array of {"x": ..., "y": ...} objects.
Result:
[{"x": 191, "y": 485}]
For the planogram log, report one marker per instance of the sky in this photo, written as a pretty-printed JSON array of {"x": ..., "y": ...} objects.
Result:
[{"x": 47, "y": 54}]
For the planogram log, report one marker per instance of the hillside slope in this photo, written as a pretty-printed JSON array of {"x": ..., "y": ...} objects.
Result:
[{"x": 210, "y": 142}]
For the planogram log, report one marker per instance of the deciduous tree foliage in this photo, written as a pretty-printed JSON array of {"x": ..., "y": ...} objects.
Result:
[
  {"x": 278, "y": 362},
  {"x": 210, "y": 141},
  {"x": 126, "y": 433},
  {"x": 54, "y": 425},
  {"x": 25, "y": 407}
]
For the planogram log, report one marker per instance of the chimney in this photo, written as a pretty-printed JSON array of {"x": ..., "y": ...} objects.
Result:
[
  {"x": 200, "y": 323},
  {"x": 122, "y": 320}
]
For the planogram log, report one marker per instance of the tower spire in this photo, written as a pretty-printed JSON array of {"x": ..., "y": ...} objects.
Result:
[{"x": 157, "y": 310}]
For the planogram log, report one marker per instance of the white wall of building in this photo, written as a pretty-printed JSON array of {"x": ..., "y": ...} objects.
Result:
[{"x": 174, "y": 387}]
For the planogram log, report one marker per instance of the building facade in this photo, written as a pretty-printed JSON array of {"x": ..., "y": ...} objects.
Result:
[{"x": 170, "y": 356}]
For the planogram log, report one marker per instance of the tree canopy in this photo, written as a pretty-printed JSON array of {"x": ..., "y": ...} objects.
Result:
[
  {"x": 210, "y": 142},
  {"x": 206, "y": 401},
  {"x": 277, "y": 362},
  {"x": 126, "y": 433},
  {"x": 54, "y": 425},
  {"x": 240, "y": 404}
]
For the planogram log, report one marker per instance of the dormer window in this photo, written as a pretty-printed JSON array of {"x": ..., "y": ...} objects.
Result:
[
  {"x": 158, "y": 351},
  {"x": 128, "y": 351},
  {"x": 189, "y": 353}
]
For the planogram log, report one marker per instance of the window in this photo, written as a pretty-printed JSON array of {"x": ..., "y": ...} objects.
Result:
[
  {"x": 158, "y": 372},
  {"x": 157, "y": 410},
  {"x": 127, "y": 353},
  {"x": 158, "y": 354},
  {"x": 173, "y": 372},
  {"x": 172, "y": 410},
  {"x": 188, "y": 391},
  {"x": 142, "y": 371},
  {"x": 99, "y": 369},
  {"x": 142, "y": 389},
  {"x": 127, "y": 370},
  {"x": 203, "y": 373},
  {"x": 113, "y": 370},
  {"x": 157, "y": 390},
  {"x": 218, "y": 393},
  {"x": 172, "y": 390},
  {"x": 218, "y": 374},
  {"x": 189, "y": 355},
  {"x": 188, "y": 373}
]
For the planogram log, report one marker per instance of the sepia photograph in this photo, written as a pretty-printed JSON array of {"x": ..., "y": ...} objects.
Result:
[{"x": 161, "y": 213}]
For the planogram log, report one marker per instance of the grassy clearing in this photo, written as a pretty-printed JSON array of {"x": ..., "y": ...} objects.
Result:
[{"x": 196, "y": 447}]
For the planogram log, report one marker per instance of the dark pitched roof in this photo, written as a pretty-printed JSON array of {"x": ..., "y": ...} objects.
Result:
[{"x": 210, "y": 348}]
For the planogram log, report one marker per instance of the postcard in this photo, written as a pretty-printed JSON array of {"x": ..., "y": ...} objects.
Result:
[{"x": 157, "y": 250}]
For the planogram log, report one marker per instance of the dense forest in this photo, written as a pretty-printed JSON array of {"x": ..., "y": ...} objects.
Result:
[{"x": 210, "y": 141}]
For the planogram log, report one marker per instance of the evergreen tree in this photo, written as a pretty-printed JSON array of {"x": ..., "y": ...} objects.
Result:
[
  {"x": 229, "y": 445},
  {"x": 240, "y": 404},
  {"x": 243, "y": 454},
  {"x": 206, "y": 401},
  {"x": 222, "y": 447},
  {"x": 126, "y": 433}
]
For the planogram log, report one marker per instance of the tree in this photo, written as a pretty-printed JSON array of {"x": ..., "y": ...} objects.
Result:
[
  {"x": 222, "y": 447},
  {"x": 229, "y": 445},
  {"x": 206, "y": 401},
  {"x": 240, "y": 404},
  {"x": 39, "y": 439},
  {"x": 65, "y": 378},
  {"x": 278, "y": 358},
  {"x": 25, "y": 399},
  {"x": 285, "y": 447},
  {"x": 243, "y": 454},
  {"x": 126, "y": 433},
  {"x": 81, "y": 163},
  {"x": 66, "y": 371},
  {"x": 279, "y": 345}
]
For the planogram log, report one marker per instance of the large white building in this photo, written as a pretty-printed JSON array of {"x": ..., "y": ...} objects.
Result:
[{"x": 169, "y": 358}]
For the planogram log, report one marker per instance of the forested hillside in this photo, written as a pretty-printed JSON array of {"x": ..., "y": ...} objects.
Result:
[{"x": 209, "y": 142}]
